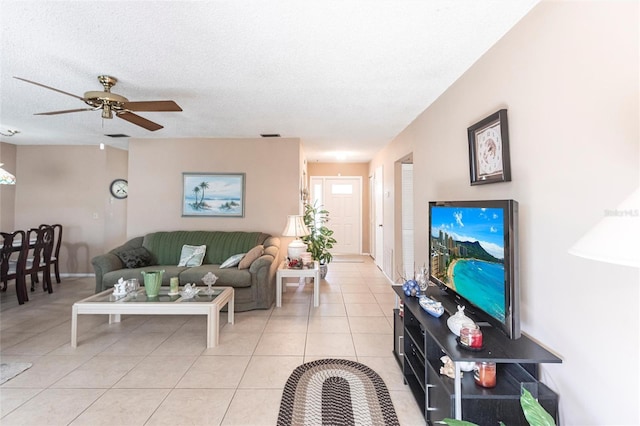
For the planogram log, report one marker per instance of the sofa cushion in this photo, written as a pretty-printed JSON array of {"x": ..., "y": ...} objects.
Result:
[
  {"x": 251, "y": 256},
  {"x": 167, "y": 245},
  {"x": 228, "y": 277},
  {"x": 135, "y": 257},
  {"x": 232, "y": 261},
  {"x": 192, "y": 255}
]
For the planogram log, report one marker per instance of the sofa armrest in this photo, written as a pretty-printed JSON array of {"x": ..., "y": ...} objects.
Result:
[
  {"x": 111, "y": 262},
  {"x": 263, "y": 261},
  {"x": 103, "y": 264}
]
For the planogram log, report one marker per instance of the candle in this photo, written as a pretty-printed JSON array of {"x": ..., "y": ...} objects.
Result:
[
  {"x": 471, "y": 337},
  {"x": 174, "y": 284},
  {"x": 485, "y": 374}
]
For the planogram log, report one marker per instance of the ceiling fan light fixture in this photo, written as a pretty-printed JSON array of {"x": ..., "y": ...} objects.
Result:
[{"x": 106, "y": 111}]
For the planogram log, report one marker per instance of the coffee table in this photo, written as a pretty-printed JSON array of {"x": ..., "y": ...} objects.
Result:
[{"x": 137, "y": 303}]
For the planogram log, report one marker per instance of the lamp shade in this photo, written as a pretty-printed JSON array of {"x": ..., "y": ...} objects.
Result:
[
  {"x": 6, "y": 178},
  {"x": 295, "y": 227},
  {"x": 615, "y": 239}
]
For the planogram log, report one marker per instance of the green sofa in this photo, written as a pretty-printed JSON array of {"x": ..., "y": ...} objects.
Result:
[{"x": 254, "y": 286}]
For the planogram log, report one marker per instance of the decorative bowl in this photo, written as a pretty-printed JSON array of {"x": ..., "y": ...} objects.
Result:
[{"x": 189, "y": 291}]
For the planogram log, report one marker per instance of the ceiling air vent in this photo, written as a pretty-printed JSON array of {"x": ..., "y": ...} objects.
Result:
[
  {"x": 118, "y": 135},
  {"x": 270, "y": 135}
]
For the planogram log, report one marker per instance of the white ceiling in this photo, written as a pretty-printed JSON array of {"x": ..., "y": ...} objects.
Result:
[{"x": 344, "y": 76}]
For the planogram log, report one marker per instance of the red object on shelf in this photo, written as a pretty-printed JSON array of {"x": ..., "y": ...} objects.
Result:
[
  {"x": 485, "y": 374},
  {"x": 471, "y": 337}
]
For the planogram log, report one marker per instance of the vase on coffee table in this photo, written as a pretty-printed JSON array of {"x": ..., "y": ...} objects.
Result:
[{"x": 209, "y": 279}]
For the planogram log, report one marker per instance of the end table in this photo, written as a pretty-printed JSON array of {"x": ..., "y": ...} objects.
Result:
[{"x": 285, "y": 272}]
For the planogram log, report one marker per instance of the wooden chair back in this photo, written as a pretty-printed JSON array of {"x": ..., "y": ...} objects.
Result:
[
  {"x": 40, "y": 256},
  {"x": 55, "y": 254},
  {"x": 12, "y": 268}
]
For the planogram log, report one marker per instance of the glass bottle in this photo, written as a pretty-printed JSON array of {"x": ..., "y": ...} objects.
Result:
[{"x": 485, "y": 374}]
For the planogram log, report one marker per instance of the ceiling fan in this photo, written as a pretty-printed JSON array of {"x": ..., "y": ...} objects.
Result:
[{"x": 111, "y": 103}]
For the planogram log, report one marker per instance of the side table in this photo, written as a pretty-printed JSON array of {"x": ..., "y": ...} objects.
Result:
[{"x": 285, "y": 272}]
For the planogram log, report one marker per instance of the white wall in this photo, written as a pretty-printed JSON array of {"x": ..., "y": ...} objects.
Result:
[{"x": 568, "y": 74}]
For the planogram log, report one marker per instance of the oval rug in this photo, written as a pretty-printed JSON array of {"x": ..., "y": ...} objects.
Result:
[{"x": 335, "y": 392}]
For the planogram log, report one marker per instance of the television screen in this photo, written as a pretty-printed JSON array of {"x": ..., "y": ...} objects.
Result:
[{"x": 473, "y": 250}]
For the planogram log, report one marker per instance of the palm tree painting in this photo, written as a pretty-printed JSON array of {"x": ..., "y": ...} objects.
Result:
[{"x": 213, "y": 194}]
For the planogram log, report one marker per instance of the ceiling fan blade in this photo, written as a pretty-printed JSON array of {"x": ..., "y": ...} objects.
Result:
[
  {"x": 139, "y": 121},
  {"x": 152, "y": 106},
  {"x": 51, "y": 88},
  {"x": 66, "y": 111}
]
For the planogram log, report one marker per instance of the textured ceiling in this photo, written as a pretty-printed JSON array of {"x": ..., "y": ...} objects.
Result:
[{"x": 344, "y": 76}]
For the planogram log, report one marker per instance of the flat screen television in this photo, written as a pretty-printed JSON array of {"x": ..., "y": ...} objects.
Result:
[{"x": 474, "y": 257}]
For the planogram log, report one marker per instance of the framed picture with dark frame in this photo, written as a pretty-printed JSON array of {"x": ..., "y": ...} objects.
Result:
[
  {"x": 213, "y": 194},
  {"x": 489, "y": 150}
]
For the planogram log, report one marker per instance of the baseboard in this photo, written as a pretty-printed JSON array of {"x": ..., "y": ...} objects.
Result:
[{"x": 69, "y": 275}]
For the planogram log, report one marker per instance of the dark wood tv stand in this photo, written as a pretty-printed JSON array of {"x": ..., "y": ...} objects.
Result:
[{"x": 424, "y": 339}]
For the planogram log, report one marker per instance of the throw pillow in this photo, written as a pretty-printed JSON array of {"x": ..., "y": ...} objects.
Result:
[
  {"x": 136, "y": 257},
  {"x": 232, "y": 261},
  {"x": 251, "y": 256},
  {"x": 192, "y": 255}
]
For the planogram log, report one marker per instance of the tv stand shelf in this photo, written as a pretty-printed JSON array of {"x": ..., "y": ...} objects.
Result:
[{"x": 426, "y": 339}]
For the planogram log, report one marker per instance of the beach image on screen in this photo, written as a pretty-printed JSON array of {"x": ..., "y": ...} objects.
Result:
[{"x": 467, "y": 254}]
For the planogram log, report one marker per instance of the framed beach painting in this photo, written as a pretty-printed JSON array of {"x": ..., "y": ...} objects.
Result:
[{"x": 213, "y": 194}]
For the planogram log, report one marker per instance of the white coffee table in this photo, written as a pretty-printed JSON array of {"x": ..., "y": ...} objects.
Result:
[
  {"x": 285, "y": 272},
  {"x": 138, "y": 304}
]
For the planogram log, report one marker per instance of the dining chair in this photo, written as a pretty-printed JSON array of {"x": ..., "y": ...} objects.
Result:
[
  {"x": 55, "y": 254},
  {"x": 55, "y": 257},
  {"x": 41, "y": 247},
  {"x": 12, "y": 268}
]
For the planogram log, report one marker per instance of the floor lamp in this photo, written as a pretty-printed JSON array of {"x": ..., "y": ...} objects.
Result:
[{"x": 615, "y": 238}]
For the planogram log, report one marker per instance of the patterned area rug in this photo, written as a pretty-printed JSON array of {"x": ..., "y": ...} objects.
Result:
[
  {"x": 335, "y": 392},
  {"x": 9, "y": 370}
]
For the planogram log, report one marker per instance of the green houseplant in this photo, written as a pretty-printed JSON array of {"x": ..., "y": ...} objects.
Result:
[
  {"x": 533, "y": 412},
  {"x": 320, "y": 240}
]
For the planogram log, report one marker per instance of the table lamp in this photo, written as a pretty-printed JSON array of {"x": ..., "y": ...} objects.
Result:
[
  {"x": 615, "y": 238},
  {"x": 295, "y": 228}
]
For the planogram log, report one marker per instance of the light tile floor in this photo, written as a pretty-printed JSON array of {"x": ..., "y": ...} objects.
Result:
[{"x": 156, "y": 370}]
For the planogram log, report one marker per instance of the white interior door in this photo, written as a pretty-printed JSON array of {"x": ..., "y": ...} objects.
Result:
[
  {"x": 408, "y": 260},
  {"x": 379, "y": 217},
  {"x": 342, "y": 197}
]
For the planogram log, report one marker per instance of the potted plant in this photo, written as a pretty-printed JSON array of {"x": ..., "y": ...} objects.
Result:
[
  {"x": 535, "y": 414},
  {"x": 320, "y": 240}
]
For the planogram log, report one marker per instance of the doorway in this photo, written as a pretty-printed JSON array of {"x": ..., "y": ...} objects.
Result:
[
  {"x": 379, "y": 219},
  {"x": 341, "y": 196},
  {"x": 408, "y": 260}
]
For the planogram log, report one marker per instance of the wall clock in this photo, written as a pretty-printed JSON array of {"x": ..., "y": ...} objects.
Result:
[
  {"x": 119, "y": 188},
  {"x": 489, "y": 150}
]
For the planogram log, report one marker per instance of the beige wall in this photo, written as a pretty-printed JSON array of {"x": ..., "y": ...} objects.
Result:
[
  {"x": 568, "y": 75},
  {"x": 272, "y": 182},
  {"x": 70, "y": 185},
  {"x": 8, "y": 192},
  {"x": 348, "y": 169}
]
